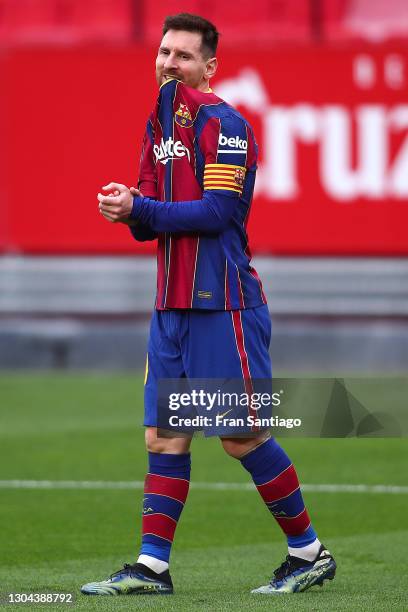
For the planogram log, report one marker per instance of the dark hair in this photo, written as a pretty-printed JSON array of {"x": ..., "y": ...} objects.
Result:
[{"x": 195, "y": 23}]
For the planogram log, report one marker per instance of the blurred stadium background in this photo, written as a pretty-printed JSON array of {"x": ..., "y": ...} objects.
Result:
[{"x": 324, "y": 83}]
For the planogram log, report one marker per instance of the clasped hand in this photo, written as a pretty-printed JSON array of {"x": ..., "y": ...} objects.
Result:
[{"x": 116, "y": 207}]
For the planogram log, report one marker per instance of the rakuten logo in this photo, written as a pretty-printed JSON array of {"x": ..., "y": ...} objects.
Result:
[
  {"x": 235, "y": 142},
  {"x": 170, "y": 149}
]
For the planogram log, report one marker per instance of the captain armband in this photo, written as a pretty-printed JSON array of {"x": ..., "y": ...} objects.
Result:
[{"x": 224, "y": 176}]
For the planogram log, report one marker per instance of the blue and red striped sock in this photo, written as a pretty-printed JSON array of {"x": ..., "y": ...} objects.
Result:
[
  {"x": 277, "y": 482},
  {"x": 165, "y": 492}
]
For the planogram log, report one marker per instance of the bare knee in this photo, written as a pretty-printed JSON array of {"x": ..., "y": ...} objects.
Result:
[
  {"x": 238, "y": 447},
  {"x": 172, "y": 446}
]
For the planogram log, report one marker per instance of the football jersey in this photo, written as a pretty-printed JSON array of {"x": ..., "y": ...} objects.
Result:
[{"x": 197, "y": 176}]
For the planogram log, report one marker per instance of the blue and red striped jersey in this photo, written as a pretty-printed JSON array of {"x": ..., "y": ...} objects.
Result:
[{"x": 197, "y": 177}]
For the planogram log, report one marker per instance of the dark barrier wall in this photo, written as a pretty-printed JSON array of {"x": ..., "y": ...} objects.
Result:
[{"x": 332, "y": 125}]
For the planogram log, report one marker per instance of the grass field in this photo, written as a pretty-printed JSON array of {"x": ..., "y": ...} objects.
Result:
[{"x": 88, "y": 428}]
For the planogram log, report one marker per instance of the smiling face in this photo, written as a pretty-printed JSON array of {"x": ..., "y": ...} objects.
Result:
[{"x": 180, "y": 56}]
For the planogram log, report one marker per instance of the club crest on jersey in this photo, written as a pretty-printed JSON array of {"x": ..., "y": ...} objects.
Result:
[
  {"x": 239, "y": 177},
  {"x": 183, "y": 116},
  {"x": 170, "y": 149}
]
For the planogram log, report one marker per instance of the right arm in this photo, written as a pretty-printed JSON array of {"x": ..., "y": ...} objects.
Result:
[{"x": 147, "y": 184}]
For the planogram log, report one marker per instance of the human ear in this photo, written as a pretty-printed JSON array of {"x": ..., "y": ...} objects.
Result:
[{"x": 211, "y": 67}]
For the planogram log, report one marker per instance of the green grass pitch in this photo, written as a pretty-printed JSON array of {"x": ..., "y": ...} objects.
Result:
[{"x": 86, "y": 427}]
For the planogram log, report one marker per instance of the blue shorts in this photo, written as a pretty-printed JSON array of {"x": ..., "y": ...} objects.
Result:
[{"x": 206, "y": 345}]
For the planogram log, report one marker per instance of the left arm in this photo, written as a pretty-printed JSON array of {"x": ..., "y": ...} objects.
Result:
[{"x": 211, "y": 214}]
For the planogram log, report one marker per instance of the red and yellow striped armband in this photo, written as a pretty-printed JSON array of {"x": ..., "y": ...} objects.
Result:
[{"x": 224, "y": 176}]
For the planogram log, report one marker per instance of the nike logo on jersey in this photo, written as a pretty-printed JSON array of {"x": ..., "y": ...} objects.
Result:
[
  {"x": 235, "y": 144},
  {"x": 224, "y": 414},
  {"x": 170, "y": 149}
]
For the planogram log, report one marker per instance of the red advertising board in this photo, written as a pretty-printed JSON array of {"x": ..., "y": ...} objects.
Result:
[{"x": 331, "y": 123}]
